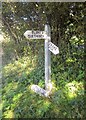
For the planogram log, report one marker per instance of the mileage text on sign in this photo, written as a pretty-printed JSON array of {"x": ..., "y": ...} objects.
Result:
[
  {"x": 53, "y": 48},
  {"x": 34, "y": 34}
]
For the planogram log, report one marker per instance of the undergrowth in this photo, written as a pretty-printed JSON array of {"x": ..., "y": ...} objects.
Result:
[{"x": 18, "y": 101}]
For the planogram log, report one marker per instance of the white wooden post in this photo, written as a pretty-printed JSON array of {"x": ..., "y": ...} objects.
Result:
[{"x": 47, "y": 57}]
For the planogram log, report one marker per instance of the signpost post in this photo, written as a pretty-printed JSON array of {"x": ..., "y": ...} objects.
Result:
[
  {"x": 47, "y": 57},
  {"x": 49, "y": 47}
]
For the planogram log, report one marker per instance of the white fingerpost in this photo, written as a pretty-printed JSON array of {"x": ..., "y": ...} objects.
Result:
[
  {"x": 47, "y": 56},
  {"x": 49, "y": 47}
]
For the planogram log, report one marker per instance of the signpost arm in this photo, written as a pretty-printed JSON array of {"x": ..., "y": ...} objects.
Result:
[{"x": 47, "y": 57}]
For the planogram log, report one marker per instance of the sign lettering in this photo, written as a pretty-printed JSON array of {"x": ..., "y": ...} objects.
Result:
[
  {"x": 34, "y": 34},
  {"x": 53, "y": 48}
]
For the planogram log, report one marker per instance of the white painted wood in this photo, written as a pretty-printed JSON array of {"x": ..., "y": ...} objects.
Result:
[
  {"x": 29, "y": 34},
  {"x": 47, "y": 57},
  {"x": 53, "y": 48},
  {"x": 39, "y": 90}
]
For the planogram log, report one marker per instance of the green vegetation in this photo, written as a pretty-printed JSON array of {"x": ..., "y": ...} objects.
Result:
[{"x": 23, "y": 60}]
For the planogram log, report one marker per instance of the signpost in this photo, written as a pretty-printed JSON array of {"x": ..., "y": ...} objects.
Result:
[
  {"x": 30, "y": 34},
  {"x": 49, "y": 47},
  {"x": 53, "y": 48},
  {"x": 47, "y": 57}
]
